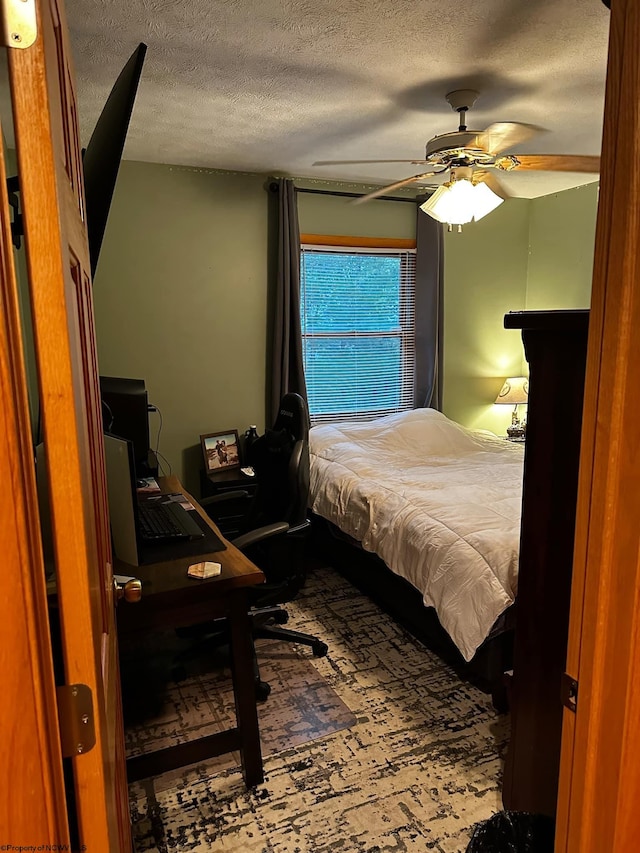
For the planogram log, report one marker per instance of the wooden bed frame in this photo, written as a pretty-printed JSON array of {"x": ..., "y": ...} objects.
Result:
[{"x": 404, "y": 604}]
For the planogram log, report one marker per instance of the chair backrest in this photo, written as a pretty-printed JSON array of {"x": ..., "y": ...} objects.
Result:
[
  {"x": 281, "y": 461},
  {"x": 293, "y": 414}
]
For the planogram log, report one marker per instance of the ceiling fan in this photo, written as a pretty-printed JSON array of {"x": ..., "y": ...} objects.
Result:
[{"x": 468, "y": 155}]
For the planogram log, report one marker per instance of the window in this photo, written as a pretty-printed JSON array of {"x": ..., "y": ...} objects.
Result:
[{"x": 357, "y": 308}]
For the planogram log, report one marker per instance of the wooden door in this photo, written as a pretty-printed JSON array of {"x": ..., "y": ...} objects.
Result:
[
  {"x": 599, "y": 794},
  {"x": 51, "y": 188}
]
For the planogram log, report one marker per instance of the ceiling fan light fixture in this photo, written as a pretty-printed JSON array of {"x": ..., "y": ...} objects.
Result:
[
  {"x": 451, "y": 204},
  {"x": 485, "y": 200},
  {"x": 461, "y": 202}
]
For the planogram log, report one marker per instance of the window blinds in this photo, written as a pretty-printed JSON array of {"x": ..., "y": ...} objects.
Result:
[{"x": 358, "y": 331}]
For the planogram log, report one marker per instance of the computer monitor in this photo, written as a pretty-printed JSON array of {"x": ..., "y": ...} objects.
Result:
[
  {"x": 125, "y": 414},
  {"x": 121, "y": 493},
  {"x": 135, "y": 542}
]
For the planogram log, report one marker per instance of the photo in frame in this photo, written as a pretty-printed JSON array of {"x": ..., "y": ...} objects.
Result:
[{"x": 220, "y": 450}]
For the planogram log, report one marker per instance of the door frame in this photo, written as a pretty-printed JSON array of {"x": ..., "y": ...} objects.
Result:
[
  {"x": 30, "y": 752},
  {"x": 599, "y": 788},
  {"x": 87, "y": 791}
]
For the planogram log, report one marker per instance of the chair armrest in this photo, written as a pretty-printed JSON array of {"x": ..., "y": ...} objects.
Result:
[
  {"x": 223, "y": 496},
  {"x": 259, "y": 534},
  {"x": 300, "y": 528}
]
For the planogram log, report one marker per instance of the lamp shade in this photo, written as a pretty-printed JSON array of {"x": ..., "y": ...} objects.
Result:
[
  {"x": 514, "y": 391},
  {"x": 460, "y": 201}
]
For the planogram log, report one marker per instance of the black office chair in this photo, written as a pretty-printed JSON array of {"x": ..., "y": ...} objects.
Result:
[{"x": 277, "y": 526}]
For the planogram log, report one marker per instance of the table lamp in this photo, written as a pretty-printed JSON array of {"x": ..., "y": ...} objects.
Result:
[{"x": 515, "y": 392}]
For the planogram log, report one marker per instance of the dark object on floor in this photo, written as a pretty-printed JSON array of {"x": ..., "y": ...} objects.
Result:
[
  {"x": 278, "y": 525},
  {"x": 513, "y": 832}
]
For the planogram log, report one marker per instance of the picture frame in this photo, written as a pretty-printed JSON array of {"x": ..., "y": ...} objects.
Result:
[{"x": 220, "y": 450}]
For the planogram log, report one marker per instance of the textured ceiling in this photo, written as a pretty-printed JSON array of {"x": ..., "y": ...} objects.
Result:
[{"x": 270, "y": 87}]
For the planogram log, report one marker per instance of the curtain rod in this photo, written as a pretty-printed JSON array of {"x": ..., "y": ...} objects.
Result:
[{"x": 273, "y": 188}]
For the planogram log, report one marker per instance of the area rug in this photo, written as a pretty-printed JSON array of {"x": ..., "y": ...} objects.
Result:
[
  {"x": 417, "y": 770},
  {"x": 160, "y": 711}
]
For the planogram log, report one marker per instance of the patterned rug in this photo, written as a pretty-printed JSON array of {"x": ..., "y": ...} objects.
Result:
[
  {"x": 160, "y": 711},
  {"x": 417, "y": 769}
]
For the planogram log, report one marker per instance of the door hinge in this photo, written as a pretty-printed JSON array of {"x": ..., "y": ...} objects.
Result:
[
  {"x": 76, "y": 719},
  {"x": 569, "y": 692},
  {"x": 19, "y": 26}
]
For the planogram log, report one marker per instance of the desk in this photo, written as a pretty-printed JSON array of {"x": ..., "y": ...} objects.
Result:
[{"x": 171, "y": 599}]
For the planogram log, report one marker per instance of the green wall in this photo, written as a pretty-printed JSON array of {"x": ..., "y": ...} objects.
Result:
[
  {"x": 561, "y": 242},
  {"x": 325, "y": 214},
  {"x": 180, "y": 300},
  {"x": 181, "y": 292},
  {"x": 485, "y": 277}
]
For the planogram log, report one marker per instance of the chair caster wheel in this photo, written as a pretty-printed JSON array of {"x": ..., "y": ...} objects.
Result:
[
  {"x": 262, "y": 690},
  {"x": 319, "y": 649},
  {"x": 281, "y": 618}
]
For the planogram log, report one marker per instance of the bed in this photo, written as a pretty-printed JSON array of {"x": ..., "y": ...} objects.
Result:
[{"x": 437, "y": 503}]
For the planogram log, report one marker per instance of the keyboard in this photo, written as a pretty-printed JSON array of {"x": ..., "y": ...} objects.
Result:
[{"x": 162, "y": 521}]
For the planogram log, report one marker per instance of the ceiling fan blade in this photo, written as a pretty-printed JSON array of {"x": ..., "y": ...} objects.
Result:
[
  {"x": 348, "y": 162},
  {"x": 390, "y": 187},
  {"x": 551, "y": 163},
  {"x": 505, "y": 134},
  {"x": 488, "y": 178}
]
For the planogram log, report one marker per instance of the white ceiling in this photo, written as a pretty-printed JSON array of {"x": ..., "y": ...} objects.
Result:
[{"x": 270, "y": 86}]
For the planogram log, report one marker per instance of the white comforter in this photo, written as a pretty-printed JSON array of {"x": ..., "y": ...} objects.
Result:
[{"x": 440, "y": 504}]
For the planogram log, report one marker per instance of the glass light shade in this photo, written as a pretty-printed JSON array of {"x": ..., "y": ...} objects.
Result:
[
  {"x": 514, "y": 391},
  {"x": 485, "y": 200},
  {"x": 460, "y": 202}
]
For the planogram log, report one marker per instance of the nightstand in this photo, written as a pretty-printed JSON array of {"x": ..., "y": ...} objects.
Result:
[{"x": 229, "y": 515}]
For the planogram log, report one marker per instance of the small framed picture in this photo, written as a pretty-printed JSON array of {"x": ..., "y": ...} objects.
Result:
[{"x": 220, "y": 451}]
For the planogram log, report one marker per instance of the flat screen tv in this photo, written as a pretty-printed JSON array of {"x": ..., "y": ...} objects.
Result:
[{"x": 101, "y": 160}]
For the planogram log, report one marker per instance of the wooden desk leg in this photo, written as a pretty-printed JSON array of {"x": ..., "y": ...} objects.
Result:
[{"x": 244, "y": 689}]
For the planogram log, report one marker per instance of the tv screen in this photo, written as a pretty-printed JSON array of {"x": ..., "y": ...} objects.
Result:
[{"x": 101, "y": 160}]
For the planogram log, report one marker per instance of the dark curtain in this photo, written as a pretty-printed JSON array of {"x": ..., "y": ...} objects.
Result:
[
  {"x": 429, "y": 310},
  {"x": 287, "y": 370}
]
